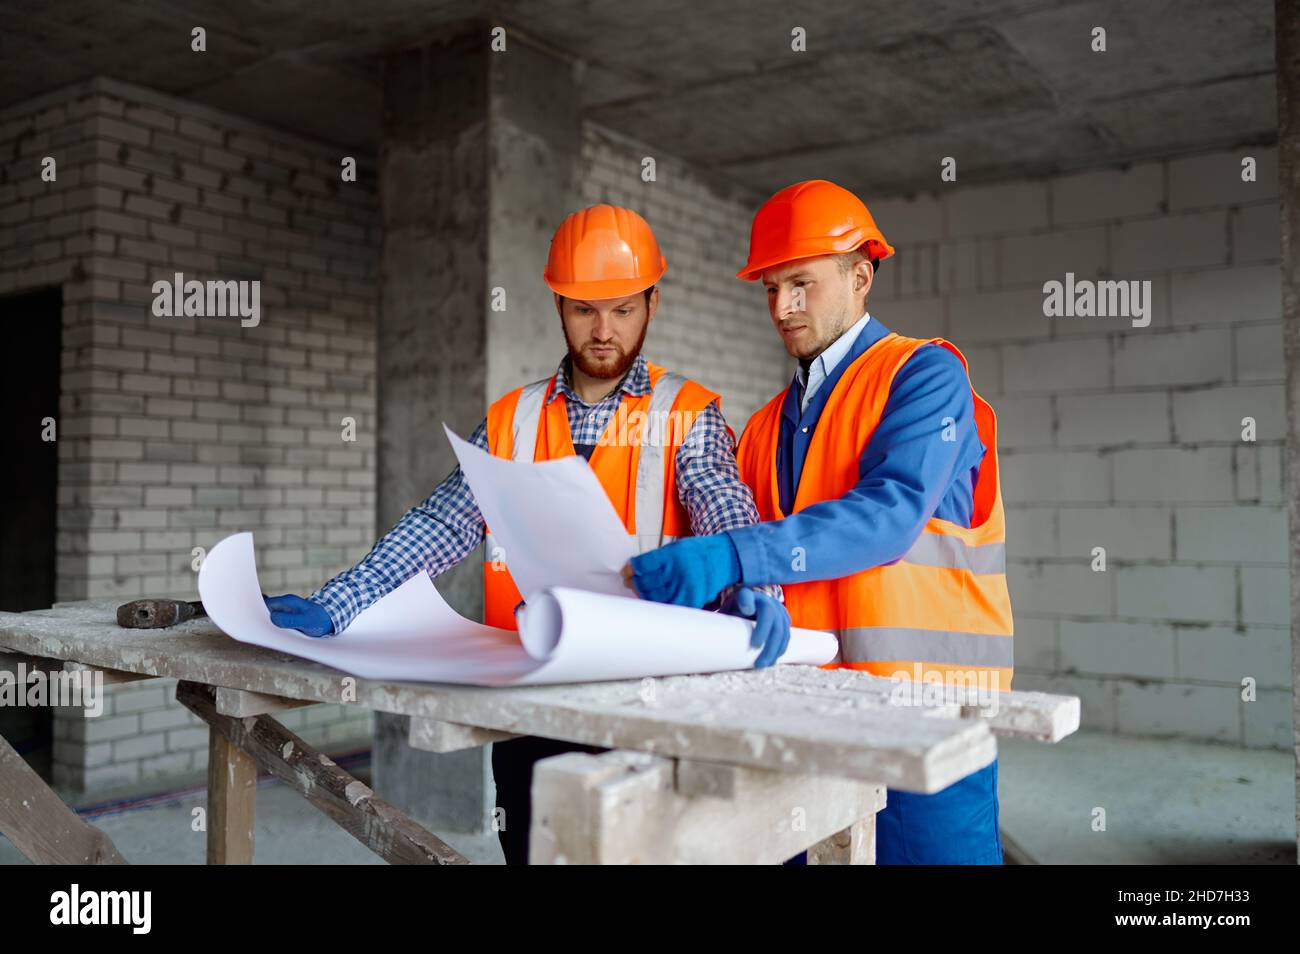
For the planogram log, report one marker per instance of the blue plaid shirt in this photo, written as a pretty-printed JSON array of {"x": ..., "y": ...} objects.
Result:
[{"x": 437, "y": 534}]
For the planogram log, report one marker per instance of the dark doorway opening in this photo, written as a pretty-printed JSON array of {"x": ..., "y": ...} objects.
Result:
[{"x": 31, "y": 326}]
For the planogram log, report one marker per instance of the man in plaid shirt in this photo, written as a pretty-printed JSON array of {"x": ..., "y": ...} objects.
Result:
[
  {"x": 603, "y": 267},
  {"x": 438, "y": 533}
]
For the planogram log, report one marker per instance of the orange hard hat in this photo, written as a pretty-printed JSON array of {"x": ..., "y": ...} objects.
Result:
[
  {"x": 808, "y": 219},
  {"x": 604, "y": 251}
]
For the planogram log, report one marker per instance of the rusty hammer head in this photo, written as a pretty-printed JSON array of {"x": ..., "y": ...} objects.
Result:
[{"x": 155, "y": 614}]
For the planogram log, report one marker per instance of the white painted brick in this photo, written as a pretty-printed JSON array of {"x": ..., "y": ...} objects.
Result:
[
  {"x": 1117, "y": 649},
  {"x": 133, "y": 698},
  {"x": 1199, "y": 182},
  {"x": 81, "y": 755},
  {"x": 139, "y": 746},
  {"x": 168, "y": 540},
  {"x": 1088, "y": 420},
  {"x": 1173, "y": 241},
  {"x": 1147, "y": 303},
  {"x": 1055, "y": 477},
  {"x": 1246, "y": 463},
  {"x": 115, "y": 129},
  {"x": 144, "y": 426},
  {"x": 143, "y": 473},
  {"x": 187, "y": 738},
  {"x": 105, "y": 729},
  {"x": 1057, "y": 588},
  {"x": 996, "y": 209},
  {"x": 141, "y": 519},
  {"x": 1270, "y": 468},
  {"x": 140, "y": 563},
  {"x": 1173, "y": 709},
  {"x": 1031, "y": 532},
  {"x": 1127, "y": 533},
  {"x": 959, "y": 266},
  {"x": 984, "y": 365},
  {"x": 192, "y": 474},
  {"x": 1202, "y": 356},
  {"x": 1024, "y": 422},
  {"x": 1265, "y": 595},
  {"x": 109, "y": 540},
  {"x": 168, "y": 497},
  {"x": 146, "y": 208},
  {"x": 1107, "y": 194},
  {"x": 905, "y": 221},
  {"x": 1035, "y": 259},
  {"x": 1173, "y": 474},
  {"x": 1226, "y": 655},
  {"x": 1190, "y": 593},
  {"x": 1258, "y": 352},
  {"x": 1036, "y": 644},
  {"x": 1216, "y": 414},
  {"x": 916, "y": 317},
  {"x": 200, "y": 130},
  {"x": 1231, "y": 534},
  {"x": 998, "y": 316},
  {"x": 1053, "y": 366},
  {"x": 917, "y": 270},
  {"x": 1256, "y": 234}
]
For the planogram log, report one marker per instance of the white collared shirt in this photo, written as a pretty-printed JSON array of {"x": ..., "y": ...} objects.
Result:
[{"x": 826, "y": 362}]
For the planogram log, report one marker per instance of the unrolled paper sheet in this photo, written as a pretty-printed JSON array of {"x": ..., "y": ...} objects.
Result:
[
  {"x": 552, "y": 520},
  {"x": 566, "y": 635}
]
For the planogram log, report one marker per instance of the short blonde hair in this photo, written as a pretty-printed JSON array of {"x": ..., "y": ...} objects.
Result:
[{"x": 848, "y": 261}]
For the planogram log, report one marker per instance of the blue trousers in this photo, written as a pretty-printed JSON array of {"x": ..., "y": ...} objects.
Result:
[{"x": 955, "y": 826}]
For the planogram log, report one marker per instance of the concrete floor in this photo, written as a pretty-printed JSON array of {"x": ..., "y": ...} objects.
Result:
[{"x": 1166, "y": 802}]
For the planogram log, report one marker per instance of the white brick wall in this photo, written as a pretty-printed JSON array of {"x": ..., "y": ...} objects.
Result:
[
  {"x": 144, "y": 735},
  {"x": 1127, "y": 438},
  {"x": 174, "y": 432},
  {"x": 177, "y": 431}
]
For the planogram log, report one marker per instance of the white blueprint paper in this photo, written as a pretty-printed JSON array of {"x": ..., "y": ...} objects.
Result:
[
  {"x": 566, "y": 635},
  {"x": 552, "y": 520}
]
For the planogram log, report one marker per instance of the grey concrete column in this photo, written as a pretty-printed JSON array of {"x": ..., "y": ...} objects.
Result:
[
  {"x": 477, "y": 167},
  {"x": 1288, "y": 114}
]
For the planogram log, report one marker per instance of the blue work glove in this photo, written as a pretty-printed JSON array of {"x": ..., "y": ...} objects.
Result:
[
  {"x": 771, "y": 622},
  {"x": 294, "y": 612},
  {"x": 690, "y": 572}
]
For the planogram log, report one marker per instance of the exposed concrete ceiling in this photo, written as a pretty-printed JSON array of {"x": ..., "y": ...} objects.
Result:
[{"x": 1007, "y": 87}]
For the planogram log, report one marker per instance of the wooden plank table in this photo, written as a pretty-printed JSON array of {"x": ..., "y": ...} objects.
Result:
[{"x": 748, "y": 766}]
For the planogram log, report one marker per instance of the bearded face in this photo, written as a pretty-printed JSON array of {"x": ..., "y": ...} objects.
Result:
[{"x": 605, "y": 335}]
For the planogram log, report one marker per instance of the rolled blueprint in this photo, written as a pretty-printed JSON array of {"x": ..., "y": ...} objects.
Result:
[{"x": 566, "y": 635}]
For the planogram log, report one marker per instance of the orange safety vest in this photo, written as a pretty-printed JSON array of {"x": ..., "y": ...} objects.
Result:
[
  {"x": 943, "y": 607},
  {"x": 635, "y": 461}
]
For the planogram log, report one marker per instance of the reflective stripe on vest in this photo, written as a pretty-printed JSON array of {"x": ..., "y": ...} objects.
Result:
[
  {"x": 650, "y": 464},
  {"x": 889, "y": 643},
  {"x": 649, "y": 515},
  {"x": 934, "y": 549},
  {"x": 529, "y": 412}
]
